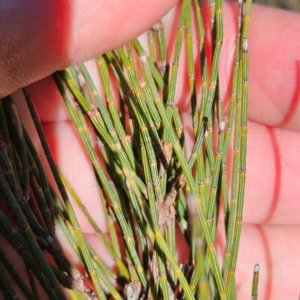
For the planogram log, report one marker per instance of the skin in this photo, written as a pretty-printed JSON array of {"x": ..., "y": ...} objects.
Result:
[{"x": 271, "y": 227}]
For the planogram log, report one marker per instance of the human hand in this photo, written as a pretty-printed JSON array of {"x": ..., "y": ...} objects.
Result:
[{"x": 271, "y": 213}]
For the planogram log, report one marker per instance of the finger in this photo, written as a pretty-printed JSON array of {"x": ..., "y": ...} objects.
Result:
[
  {"x": 275, "y": 68},
  {"x": 39, "y": 38},
  {"x": 273, "y": 248},
  {"x": 272, "y": 176},
  {"x": 274, "y": 65},
  {"x": 272, "y": 173}
]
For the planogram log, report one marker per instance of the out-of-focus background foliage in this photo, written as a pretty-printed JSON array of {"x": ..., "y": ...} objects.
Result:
[{"x": 285, "y": 4}]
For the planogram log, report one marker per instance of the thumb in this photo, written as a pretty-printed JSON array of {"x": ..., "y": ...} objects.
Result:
[{"x": 41, "y": 37}]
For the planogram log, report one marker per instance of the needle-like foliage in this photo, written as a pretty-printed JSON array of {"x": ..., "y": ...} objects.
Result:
[{"x": 153, "y": 191}]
